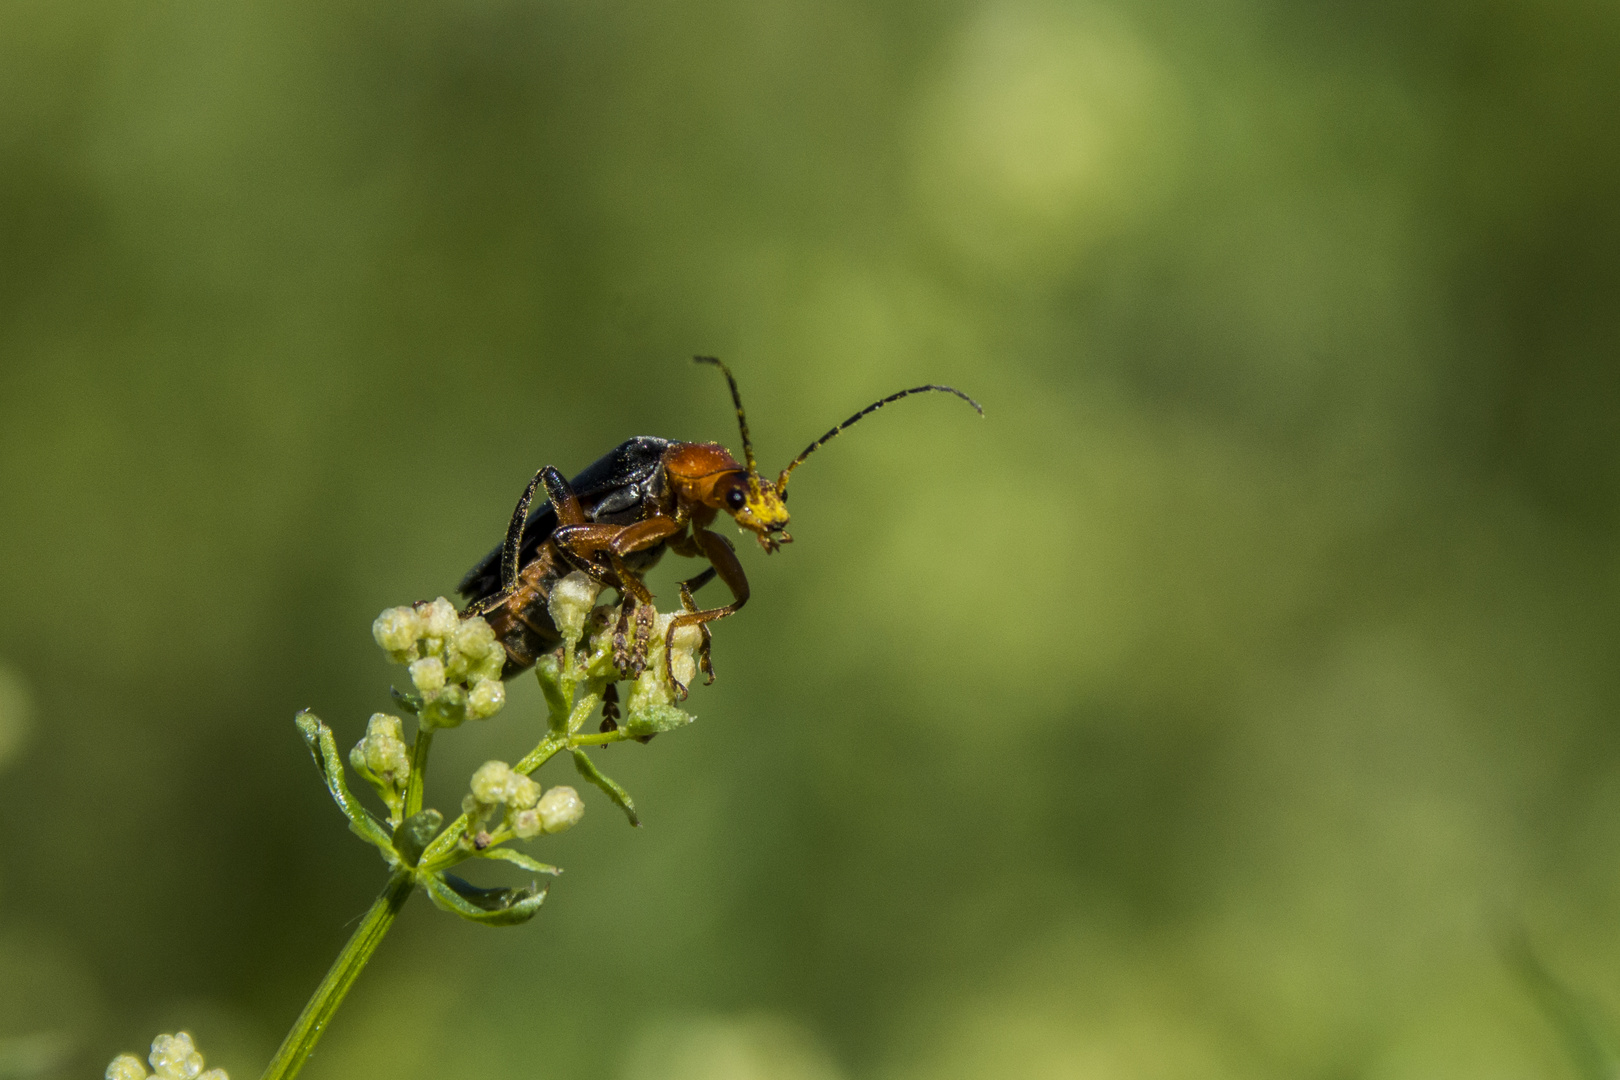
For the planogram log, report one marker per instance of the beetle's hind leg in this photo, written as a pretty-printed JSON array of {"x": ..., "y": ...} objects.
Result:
[
  {"x": 645, "y": 615},
  {"x": 621, "y": 632},
  {"x": 630, "y": 642}
]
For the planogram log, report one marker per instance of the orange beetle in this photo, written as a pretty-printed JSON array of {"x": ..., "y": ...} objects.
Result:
[{"x": 614, "y": 521}]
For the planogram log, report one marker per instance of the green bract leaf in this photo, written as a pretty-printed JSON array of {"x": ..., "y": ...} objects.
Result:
[
  {"x": 415, "y": 833},
  {"x": 587, "y": 768},
  {"x": 323, "y": 748},
  {"x": 585, "y": 705},
  {"x": 549, "y": 674},
  {"x": 411, "y": 703},
  {"x": 492, "y": 907},
  {"x": 534, "y": 866},
  {"x": 655, "y": 718}
]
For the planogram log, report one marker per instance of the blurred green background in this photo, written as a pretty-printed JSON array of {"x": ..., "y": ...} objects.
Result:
[{"x": 1216, "y": 707}]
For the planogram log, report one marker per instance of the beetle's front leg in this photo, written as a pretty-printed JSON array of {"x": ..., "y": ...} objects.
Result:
[
  {"x": 705, "y": 664},
  {"x": 723, "y": 561}
]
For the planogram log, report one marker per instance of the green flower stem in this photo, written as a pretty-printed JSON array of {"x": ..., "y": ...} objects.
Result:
[
  {"x": 419, "y": 757},
  {"x": 300, "y": 1041},
  {"x": 548, "y": 748},
  {"x": 601, "y": 739},
  {"x": 445, "y": 851}
]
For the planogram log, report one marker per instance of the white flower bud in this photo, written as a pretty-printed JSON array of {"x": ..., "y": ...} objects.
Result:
[
  {"x": 214, "y": 1074},
  {"x": 126, "y": 1067},
  {"x": 397, "y": 630},
  {"x": 490, "y": 782},
  {"x": 383, "y": 751},
  {"x": 438, "y": 619},
  {"x": 683, "y": 657},
  {"x": 473, "y": 639},
  {"x": 174, "y": 1057},
  {"x": 570, "y": 602},
  {"x": 559, "y": 809},
  {"x": 650, "y": 690},
  {"x": 522, "y": 792},
  {"x": 526, "y": 824},
  {"x": 492, "y": 666},
  {"x": 486, "y": 698},
  {"x": 428, "y": 674}
]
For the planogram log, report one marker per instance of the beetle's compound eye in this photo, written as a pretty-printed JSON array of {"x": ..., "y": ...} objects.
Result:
[{"x": 736, "y": 499}]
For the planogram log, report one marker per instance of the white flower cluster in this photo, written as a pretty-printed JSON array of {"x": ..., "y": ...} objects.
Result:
[
  {"x": 383, "y": 758},
  {"x": 173, "y": 1057},
  {"x": 528, "y": 812},
  {"x": 455, "y": 663}
]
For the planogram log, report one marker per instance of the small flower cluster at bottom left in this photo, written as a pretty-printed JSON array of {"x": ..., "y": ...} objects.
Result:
[{"x": 174, "y": 1057}]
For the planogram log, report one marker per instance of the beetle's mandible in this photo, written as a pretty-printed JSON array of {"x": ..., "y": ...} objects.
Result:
[{"x": 614, "y": 521}]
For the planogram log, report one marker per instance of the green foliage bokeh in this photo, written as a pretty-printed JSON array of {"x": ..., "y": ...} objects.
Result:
[{"x": 1215, "y": 707}]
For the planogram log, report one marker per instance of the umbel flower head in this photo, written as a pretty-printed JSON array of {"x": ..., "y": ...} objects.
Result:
[
  {"x": 455, "y": 663},
  {"x": 173, "y": 1057},
  {"x": 529, "y": 812}
]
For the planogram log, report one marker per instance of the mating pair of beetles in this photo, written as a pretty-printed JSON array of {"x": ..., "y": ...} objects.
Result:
[{"x": 615, "y": 519}]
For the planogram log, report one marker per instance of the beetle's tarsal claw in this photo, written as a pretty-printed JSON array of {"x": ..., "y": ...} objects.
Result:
[{"x": 704, "y": 664}]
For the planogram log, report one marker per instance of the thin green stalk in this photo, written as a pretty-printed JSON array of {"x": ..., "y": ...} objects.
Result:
[
  {"x": 300, "y": 1041},
  {"x": 602, "y": 739},
  {"x": 419, "y": 757},
  {"x": 540, "y": 754}
]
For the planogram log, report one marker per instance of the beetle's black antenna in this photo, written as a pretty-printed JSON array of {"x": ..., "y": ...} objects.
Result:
[
  {"x": 781, "y": 481},
  {"x": 742, "y": 420}
]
